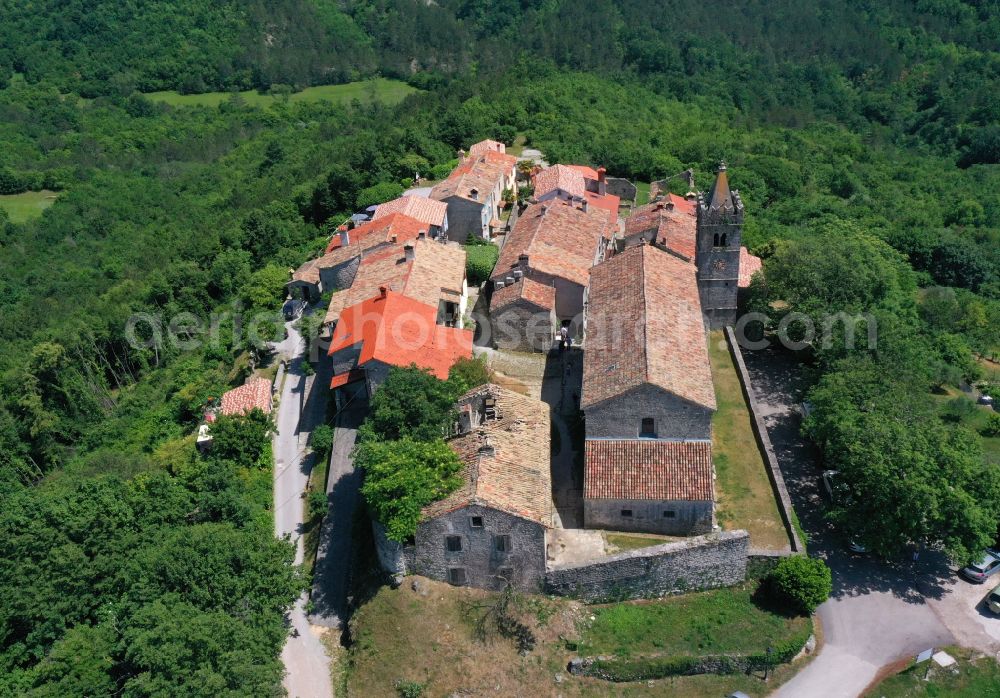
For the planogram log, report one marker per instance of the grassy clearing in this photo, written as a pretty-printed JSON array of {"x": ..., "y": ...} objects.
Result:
[
  {"x": 641, "y": 193},
  {"x": 426, "y": 637},
  {"x": 721, "y": 621},
  {"x": 974, "y": 419},
  {"x": 745, "y": 497},
  {"x": 366, "y": 91},
  {"x": 974, "y": 676},
  {"x": 30, "y": 204},
  {"x": 479, "y": 262}
]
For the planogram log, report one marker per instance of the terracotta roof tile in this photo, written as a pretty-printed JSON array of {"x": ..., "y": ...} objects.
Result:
[
  {"x": 675, "y": 228},
  {"x": 255, "y": 393},
  {"x": 561, "y": 177},
  {"x": 648, "y": 470},
  {"x": 749, "y": 265},
  {"x": 516, "y": 479},
  {"x": 487, "y": 145},
  {"x": 535, "y": 293},
  {"x": 378, "y": 232},
  {"x": 400, "y": 331},
  {"x": 436, "y": 273},
  {"x": 484, "y": 173},
  {"x": 644, "y": 325},
  {"x": 427, "y": 211},
  {"x": 559, "y": 238}
]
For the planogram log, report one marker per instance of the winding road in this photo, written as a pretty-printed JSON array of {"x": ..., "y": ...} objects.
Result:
[{"x": 307, "y": 665}]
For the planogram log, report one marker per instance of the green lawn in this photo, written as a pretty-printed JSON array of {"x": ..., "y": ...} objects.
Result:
[
  {"x": 641, "y": 193},
  {"x": 30, "y": 204},
  {"x": 721, "y": 621},
  {"x": 972, "y": 677},
  {"x": 379, "y": 89},
  {"x": 743, "y": 488},
  {"x": 634, "y": 541}
]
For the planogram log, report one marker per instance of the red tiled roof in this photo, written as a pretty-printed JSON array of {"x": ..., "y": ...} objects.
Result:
[
  {"x": 436, "y": 273},
  {"x": 400, "y": 331},
  {"x": 428, "y": 211},
  {"x": 587, "y": 172},
  {"x": 517, "y": 477},
  {"x": 487, "y": 145},
  {"x": 343, "y": 379},
  {"x": 559, "y": 238},
  {"x": 749, "y": 265},
  {"x": 377, "y": 232},
  {"x": 535, "y": 293},
  {"x": 675, "y": 229},
  {"x": 255, "y": 393},
  {"x": 645, "y": 326},
  {"x": 561, "y": 177},
  {"x": 650, "y": 469}
]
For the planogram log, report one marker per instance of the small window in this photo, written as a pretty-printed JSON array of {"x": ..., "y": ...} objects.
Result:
[
  {"x": 502, "y": 543},
  {"x": 627, "y": 513},
  {"x": 648, "y": 427},
  {"x": 456, "y": 576},
  {"x": 476, "y": 522},
  {"x": 669, "y": 514},
  {"x": 723, "y": 239},
  {"x": 715, "y": 240},
  {"x": 453, "y": 544}
]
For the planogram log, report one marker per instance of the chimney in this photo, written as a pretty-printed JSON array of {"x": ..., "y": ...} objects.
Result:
[
  {"x": 602, "y": 181},
  {"x": 421, "y": 235},
  {"x": 345, "y": 238},
  {"x": 670, "y": 205},
  {"x": 545, "y": 209},
  {"x": 518, "y": 274},
  {"x": 461, "y": 154},
  {"x": 474, "y": 193},
  {"x": 584, "y": 205},
  {"x": 409, "y": 252},
  {"x": 382, "y": 291},
  {"x": 522, "y": 260},
  {"x": 509, "y": 280},
  {"x": 392, "y": 238},
  {"x": 497, "y": 285},
  {"x": 690, "y": 196},
  {"x": 487, "y": 450}
]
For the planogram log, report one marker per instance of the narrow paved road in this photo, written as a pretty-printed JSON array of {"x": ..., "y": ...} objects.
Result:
[
  {"x": 307, "y": 670},
  {"x": 879, "y": 612}
]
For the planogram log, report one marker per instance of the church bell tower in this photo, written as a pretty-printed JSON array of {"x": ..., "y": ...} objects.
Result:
[{"x": 717, "y": 255}]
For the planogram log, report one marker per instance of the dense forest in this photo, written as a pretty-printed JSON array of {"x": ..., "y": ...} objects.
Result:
[{"x": 862, "y": 135}]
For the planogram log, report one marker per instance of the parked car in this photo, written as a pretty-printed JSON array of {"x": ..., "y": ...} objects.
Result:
[
  {"x": 978, "y": 572},
  {"x": 993, "y": 600},
  {"x": 829, "y": 482}
]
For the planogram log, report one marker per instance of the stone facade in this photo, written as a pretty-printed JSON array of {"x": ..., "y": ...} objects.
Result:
[
  {"x": 622, "y": 188},
  {"x": 467, "y": 217},
  {"x": 719, "y": 233},
  {"x": 707, "y": 562},
  {"x": 673, "y": 417},
  {"x": 666, "y": 517},
  {"x": 487, "y": 560},
  {"x": 523, "y": 326}
]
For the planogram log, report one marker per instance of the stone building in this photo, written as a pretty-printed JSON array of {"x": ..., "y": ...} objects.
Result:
[
  {"x": 719, "y": 232},
  {"x": 668, "y": 223},
  {"x": 432, "y": 272},
  {"x": 647, "y": 395},
  {"x": 390, "y": 330},
  {"x": 576, "y": 184},
  {"x": 492, "y": 530},
  {"x": 433, "y": 214},
  {"x": 555, "y": 243},
  {"x": 474, "y": 190},
  {"x": 522, "y": 314},
  {"x": 339, "y": 264}
]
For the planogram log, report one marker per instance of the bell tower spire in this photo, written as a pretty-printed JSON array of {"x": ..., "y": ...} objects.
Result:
[{"x": 717, "y": 255}]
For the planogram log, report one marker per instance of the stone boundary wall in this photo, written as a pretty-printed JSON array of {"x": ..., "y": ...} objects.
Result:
[
  {"x": 764, "y": 443},
  {"x": 704, "y": 562}
]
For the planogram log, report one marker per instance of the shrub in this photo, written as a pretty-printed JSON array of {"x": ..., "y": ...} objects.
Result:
[
  {"x": 321, "y": 439},
  {"x": 801, "y": 583},
  {"x": 318, "y": 504},
  {"x": 992, "y": 427},
  {"x": 479, "y": 262},
  {"x": 469, "y": 373},
  {"x": 378, "y": 193}
]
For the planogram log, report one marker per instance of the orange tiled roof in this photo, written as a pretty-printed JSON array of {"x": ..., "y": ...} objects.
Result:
[
  {"x": 400, "y": 331},
  {"x": 645, "y": 326},
  {"x": 436, "y": 273},
  {"x": 487, "y": 145},
  {"x": 559, "y": 238},
  {"x": 535, "y": 293},
  {"x": 254, "y": 394},
  {"x": 377, "y": 232},
  {"x": 516, "y": 479},
  {"x": 648, "y": 469},
  {"x": 749, "y": 265},
  {"x": 564, "y": 177},
  {"x": 484, "y": 173},
  {"x": 675, "y": 229},
  {"x": 427, "y": 211},
  {"x": 587, "y": 172}
]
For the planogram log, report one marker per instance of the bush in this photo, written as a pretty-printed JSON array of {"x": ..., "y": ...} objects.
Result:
[
  {"x": 801, "y": 583},
  {"x": 377, "y": 194},
  {"x": 318, "y": 504},
  {"x": 321, "y": 439},
  {"x": 469, "y": 373},
  {"x": 992, "y": 428},
  {"x": 479, "y": 261}
]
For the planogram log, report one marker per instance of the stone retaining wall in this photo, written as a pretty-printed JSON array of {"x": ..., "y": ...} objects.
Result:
[
  {"x": 764, "y": 443},
  {"x": 704, "y": 562}
]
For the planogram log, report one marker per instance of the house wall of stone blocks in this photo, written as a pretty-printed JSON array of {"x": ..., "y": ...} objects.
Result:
[
  {"x": 666, "y": 517},
  {"x": 674, "y": 417},
  {"x": 523, "y": 326}
]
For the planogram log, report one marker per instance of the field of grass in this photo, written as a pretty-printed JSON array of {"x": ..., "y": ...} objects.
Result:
[
  {"x": 634, "y": 541},
  {"x": 721, "y": 621},
  {"x": 972, "y": 677},
  {"x": 30, "y": 204},
  {"x": 743, "y": 489},
  {"x": 975, "y": 418},
  {"x": 379, "y": 89},
  {"x": 641, "y": 193},
  {"x": 425, "y": 636}
]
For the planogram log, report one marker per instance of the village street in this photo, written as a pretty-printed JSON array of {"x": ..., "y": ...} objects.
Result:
[
  {"x": 879, "y": 612},
  {"x": 304, "y": 656}
]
